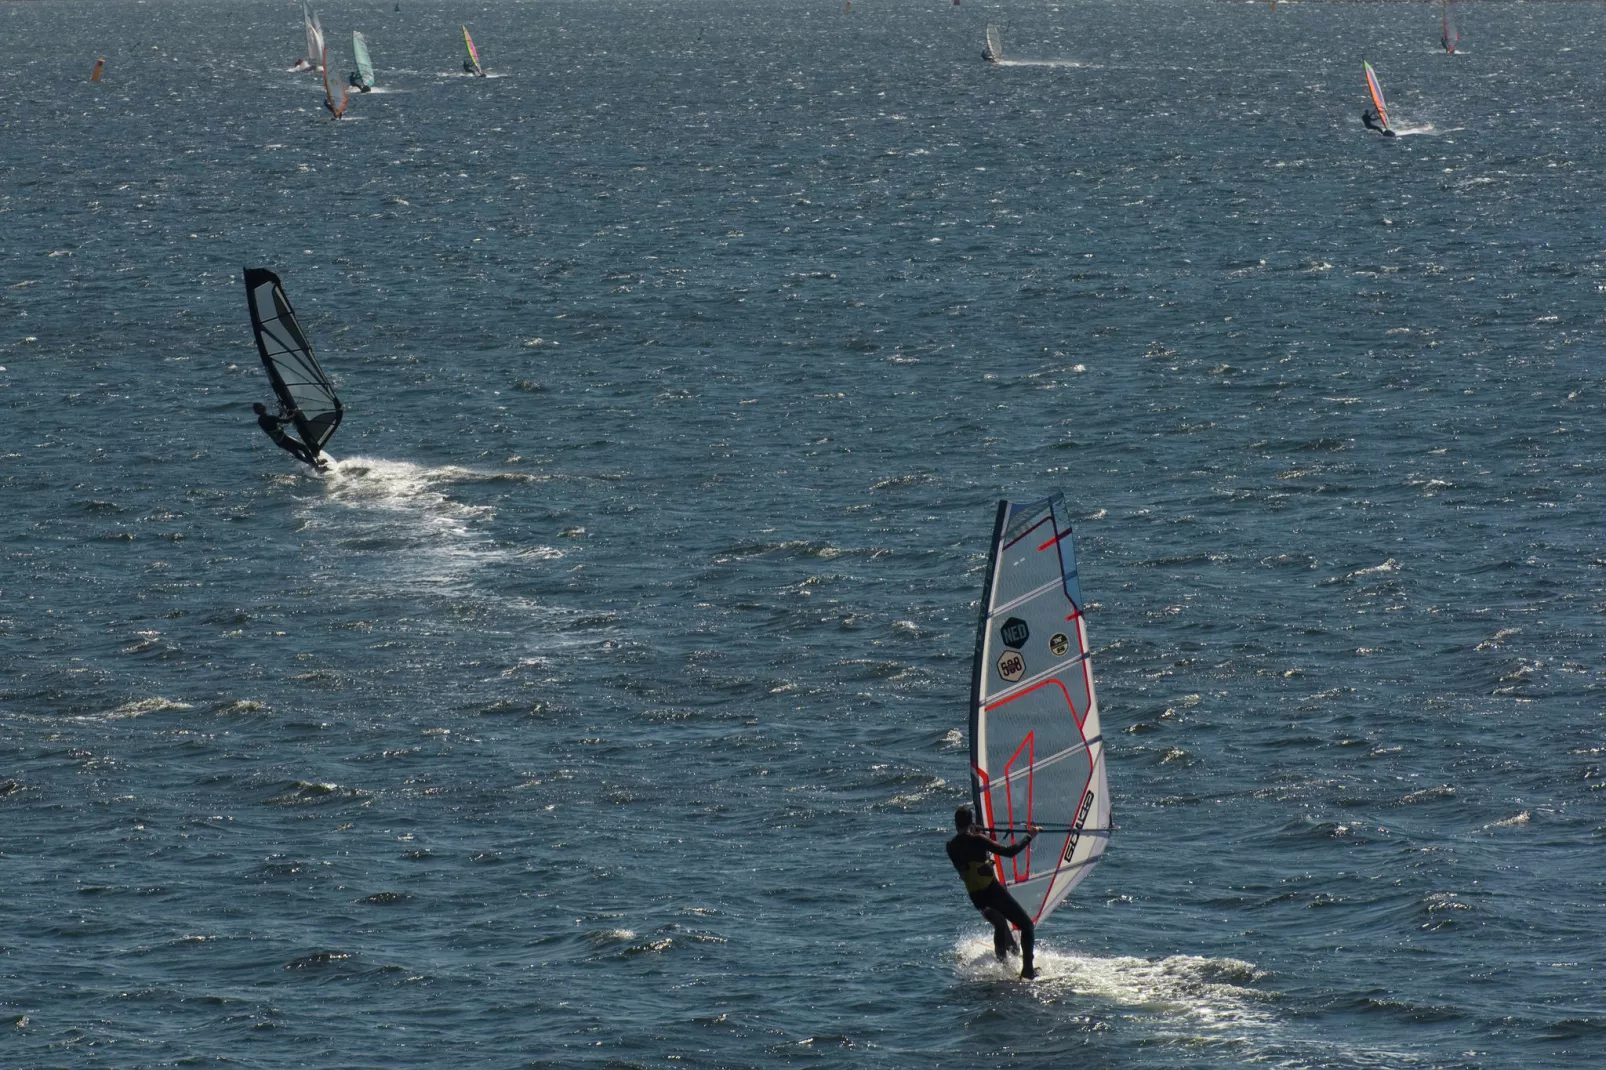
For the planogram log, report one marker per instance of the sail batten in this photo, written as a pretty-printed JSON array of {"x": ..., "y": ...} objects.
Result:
[
  {"x": 297, "y": 378},
  {"x": 1037, "y": 753}
]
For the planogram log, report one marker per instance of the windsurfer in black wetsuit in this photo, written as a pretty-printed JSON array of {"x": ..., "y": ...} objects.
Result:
[
  {"x": 274, "y": 426},
  {"x": 1370, "y": 118},
  {"x": 971, "y": 853}
]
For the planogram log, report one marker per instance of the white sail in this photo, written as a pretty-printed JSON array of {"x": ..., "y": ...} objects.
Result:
[
  {"x": 1036, "y": 750},
  {"x": 995, "y": 45},
  {"x": 314, "y": 56}
]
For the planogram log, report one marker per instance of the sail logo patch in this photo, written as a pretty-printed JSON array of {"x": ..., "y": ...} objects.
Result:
[
  {"x": 1011, "y": 666},
  {"x": 1058, "y": 644},
  {"x": 1015, "y": 633},
  {"x": 1076, "y": 828}
]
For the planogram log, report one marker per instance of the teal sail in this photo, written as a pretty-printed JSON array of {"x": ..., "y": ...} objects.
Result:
[{"x": 364, "y": 78}]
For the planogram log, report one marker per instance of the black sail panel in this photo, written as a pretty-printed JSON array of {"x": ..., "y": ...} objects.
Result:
[{"x": 297, "y": 378}]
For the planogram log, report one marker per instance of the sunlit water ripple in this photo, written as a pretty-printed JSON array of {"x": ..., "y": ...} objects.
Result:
[{"x": 602, "y": 706}]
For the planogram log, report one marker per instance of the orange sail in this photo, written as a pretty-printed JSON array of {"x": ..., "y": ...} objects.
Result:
[
  {"x": 100, "y": 65},
  {"x": 336, "y": 110},
  {"x": 1377, "y": 94}
]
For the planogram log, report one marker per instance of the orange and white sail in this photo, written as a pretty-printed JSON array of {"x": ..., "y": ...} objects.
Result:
[
  {"x": 336, "y": 110},
  {"x": 1376, "y": 90}
]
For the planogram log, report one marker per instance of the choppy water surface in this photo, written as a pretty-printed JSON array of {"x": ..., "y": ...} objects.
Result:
[{"x": 603, "y": 706}]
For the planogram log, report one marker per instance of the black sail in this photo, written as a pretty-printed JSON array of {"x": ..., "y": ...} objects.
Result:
[{"x": 297, "y": 378}]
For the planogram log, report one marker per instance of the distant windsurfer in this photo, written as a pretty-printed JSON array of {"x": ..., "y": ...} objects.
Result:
[
  {"x": 274, "y": 426},
  {"x": 971, "y": 852},
  {"x": 354, "y": 79},
  {"x": 470, "y": 67},
  {"x": 1370, "y": 118}
]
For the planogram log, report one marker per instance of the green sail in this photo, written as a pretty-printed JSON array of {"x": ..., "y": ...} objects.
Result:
[{"x": 365, "y": 66}]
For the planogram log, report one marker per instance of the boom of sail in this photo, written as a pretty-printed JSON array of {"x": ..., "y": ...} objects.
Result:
[
  {"x": 995, "y": 45},
  {"x": 298, "y": 381},
  {"x": 365, "y": 66},
  {"x": 1036, "y": 751},
  {"x": 1376, "y": 90},
  {"x": 472, "y": 65}
]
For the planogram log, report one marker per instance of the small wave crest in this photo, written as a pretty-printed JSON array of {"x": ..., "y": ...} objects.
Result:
[
  {"x": 136, "y": 708},
  {"x": 1516, "y": 820},
  {"x": 302, "y": 792}
]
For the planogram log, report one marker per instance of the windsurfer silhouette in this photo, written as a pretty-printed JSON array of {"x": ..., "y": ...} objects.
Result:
[
  {"x": 1369, "y": 117},
  {"x": 354, "y": 79},
  {"x": 274, "y": 426},
  {"x": 970, "y": 853}
]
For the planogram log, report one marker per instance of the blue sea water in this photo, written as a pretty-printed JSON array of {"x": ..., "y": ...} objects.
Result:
[{"x": 604, "y": 705}]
